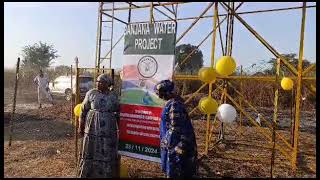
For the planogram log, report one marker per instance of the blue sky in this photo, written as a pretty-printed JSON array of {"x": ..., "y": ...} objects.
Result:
[{"x": 72, "y": 27}]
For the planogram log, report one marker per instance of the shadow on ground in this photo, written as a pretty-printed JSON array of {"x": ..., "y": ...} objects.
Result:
[{"x": 33, "y": 127}]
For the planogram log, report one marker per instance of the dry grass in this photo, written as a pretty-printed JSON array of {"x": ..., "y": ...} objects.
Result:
[{"x": 38, "y": 136}]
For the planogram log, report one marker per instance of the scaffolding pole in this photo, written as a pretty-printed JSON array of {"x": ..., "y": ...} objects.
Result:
[
  {"x": 194, "y": 50},
  {"x": 299, "y": 74},
  {"x": 239, "y": 13},
  {"x": 98, "y": 47},
  {"x": 275, "y": 115},
  {"x": 212, "y": 64},
  {"x": 298, "y": 92},
  {"x": 263, "y": 41},
  {"x": 194, "y": 22},
  {"x": 270, "y": 79},
  {"x": 111, "y": 39},
  {"x": 240, "y": 100}
]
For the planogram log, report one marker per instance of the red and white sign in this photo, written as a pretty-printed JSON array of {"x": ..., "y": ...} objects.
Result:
[{"x": 140, "y": 124}]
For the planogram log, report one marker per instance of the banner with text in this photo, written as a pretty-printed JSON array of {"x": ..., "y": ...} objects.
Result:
[{"x": 149, "y": 50}]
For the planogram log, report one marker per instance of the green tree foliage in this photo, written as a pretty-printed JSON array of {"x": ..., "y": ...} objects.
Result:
[
  {"x": 190, "y": 66},
  {"x": 38, "y": 56},
  {"x": 193, "y": 64},
  {"x": 292, "y": 59},
  {"x": 62, "y": 70}
]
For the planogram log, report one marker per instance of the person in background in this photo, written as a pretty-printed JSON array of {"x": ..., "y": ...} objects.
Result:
[
  {"x": 99, "y": 129},
  {"x": 42, "y": 81},
  {"x": 177, "y": 138}
]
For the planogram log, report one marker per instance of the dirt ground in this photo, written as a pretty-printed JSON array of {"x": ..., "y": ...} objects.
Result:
[{"x": 43, "y": 146}]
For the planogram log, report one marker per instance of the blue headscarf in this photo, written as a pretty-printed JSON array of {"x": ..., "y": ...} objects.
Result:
[{"x": 164, "y": 88}]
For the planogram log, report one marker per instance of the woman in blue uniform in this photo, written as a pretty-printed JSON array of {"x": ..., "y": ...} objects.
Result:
[{"x": 177, "y": 138}]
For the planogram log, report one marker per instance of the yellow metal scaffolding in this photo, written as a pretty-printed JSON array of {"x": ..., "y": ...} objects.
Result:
[{"x": 299, "y": 75}]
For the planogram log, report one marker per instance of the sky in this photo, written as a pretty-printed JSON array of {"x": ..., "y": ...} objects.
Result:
[{"x": 71, "y": 27}]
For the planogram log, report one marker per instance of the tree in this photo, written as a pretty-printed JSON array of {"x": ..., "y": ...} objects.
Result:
[
  {"x": 38, "y": 56},
  {"x": 193, "y": 64},
  {"x": 292, "y": 59},
  {"x": 62, "y": 69},
  {"x": 190, "y": 66}
]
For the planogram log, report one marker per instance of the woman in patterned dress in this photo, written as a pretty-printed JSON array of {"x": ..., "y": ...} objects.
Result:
[
  {"x": 98, "y": 126},
  {"x": 177, "y": 139}
]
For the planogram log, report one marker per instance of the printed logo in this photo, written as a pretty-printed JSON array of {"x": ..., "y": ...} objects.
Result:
[{"x": 147, "y": 66}]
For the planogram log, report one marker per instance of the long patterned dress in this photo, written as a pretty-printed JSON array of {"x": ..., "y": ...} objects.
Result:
[
  {"x": 100, "y": 141},
  {"x": 178, "y": 143}
]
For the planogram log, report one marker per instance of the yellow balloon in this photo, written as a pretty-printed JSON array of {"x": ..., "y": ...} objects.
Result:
[
  {"x": 208, "y": 105},
  {"x": 226, "y": 65},
  {"x": 286, "y": 83},
  {"x": 123, "y": 171},
  {"x": 207, "y": 74},
  {"x": 77, "y": 110}
]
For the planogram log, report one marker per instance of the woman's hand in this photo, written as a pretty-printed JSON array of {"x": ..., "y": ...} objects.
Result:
[{"x": 178, "y": 150}]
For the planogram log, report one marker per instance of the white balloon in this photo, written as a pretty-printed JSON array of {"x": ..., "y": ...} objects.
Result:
[{"x": 226, "y": 113}]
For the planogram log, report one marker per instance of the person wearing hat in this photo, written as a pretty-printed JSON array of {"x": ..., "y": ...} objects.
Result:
[
  {"x": 99, "y": 129},
  {"x": 42, "y": 82},
  {"x": 177, "y": 138}
]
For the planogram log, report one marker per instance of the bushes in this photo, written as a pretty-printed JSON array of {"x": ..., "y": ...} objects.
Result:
[
  {"x": 9, "y": 78},
  {"x": 259, "y": 94},
  {"x": 26, "y": 77}
]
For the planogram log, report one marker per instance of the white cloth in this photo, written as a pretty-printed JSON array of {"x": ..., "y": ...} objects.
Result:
[
  {"x": 42, "y": 82},
  {"x": 258, "y": 119},
  {"x": 43, "y": 87}
]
